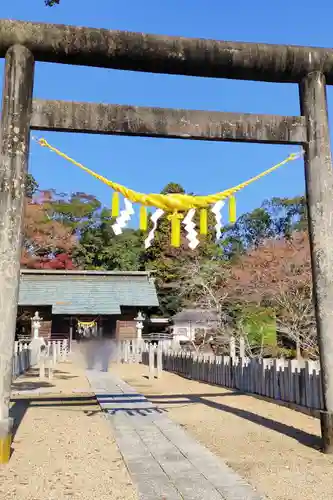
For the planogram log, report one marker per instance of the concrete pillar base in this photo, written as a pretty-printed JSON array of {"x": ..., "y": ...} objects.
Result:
[
  {"x": 5, "y": 446},
  {"x": 6, "y": 427},
  {"x": 326, "y": 423}
]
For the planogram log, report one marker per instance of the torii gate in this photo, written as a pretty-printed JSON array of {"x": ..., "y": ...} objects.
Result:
[{"x": 21, "y": 43}]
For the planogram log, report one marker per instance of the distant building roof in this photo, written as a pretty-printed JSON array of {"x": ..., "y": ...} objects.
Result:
[
  {"x": 86, "y": 292},
  {"x": 195, "y": 316},
  {"x": 84, "y": 272}
]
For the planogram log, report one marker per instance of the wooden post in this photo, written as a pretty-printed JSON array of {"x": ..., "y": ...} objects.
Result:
[
  {"x": 151, "y": 362},
  {"x": 49, "y": 368},
  {"x": 16, "y": 364},
  {"x": 126, "y": 351},
  {"x": 54, "y": 352},
  {"x": 232, "y": 347},
  {"x": 58, "y": 347},
  {"x": 119, "y": 351},
  {"x": 42, "y": 367},
  {"x": 319, "y": 188},
  {"x": 64, "y": 349},
  {"x": 241, "y": 347},
  {"x": 43, "y": 356},
  {"x": 159, "y": 361},
  {"x": 14, "y": 150},
  {"x": 70, "y": 333}
]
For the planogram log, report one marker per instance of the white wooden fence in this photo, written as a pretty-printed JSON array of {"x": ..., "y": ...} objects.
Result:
[
  {"x": 131, "y": 351},
  {"x": 292, "y": 381},
  {"x": 24, "y": 358}
]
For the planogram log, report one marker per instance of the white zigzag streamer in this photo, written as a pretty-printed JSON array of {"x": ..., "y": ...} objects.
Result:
[
  {"x": 154, "y": 218},
  {"x": 190, "y": 229},
  {"x": 217, "y": 211},
  {"x": 124, "y": 217}
]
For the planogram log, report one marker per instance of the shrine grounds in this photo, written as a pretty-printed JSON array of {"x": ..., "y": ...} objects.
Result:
[{"x": 64, "y": 446}]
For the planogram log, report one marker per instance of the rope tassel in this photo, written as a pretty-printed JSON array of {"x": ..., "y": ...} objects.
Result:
[
  {"x": 203, "y": 221},
  {"x": 175, "y": 219},
  {"x": 232, "y": 210},
  {"x": 115, "y": 205},
  {"x": 143, "y": 224}
]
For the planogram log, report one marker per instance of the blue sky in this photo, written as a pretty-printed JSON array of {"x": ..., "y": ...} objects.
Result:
[{"x": 148, "y": 164}]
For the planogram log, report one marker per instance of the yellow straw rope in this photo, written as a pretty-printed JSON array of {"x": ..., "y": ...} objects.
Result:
[
  {"x": 87, "y": 324},
  {"x": 169, "y": 202}
]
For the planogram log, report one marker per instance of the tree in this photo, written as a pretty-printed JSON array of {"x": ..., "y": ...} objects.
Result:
[
  {"x": 31, "y": 186},
  {"x": 51, "y": 3},
  {"x": 56, "y": 262},
  {"x": 100, "y": 248},
  {"x": 76, "y": 211},
  {"x": 42, "y": 234},
  {"x": 278, "y": 274},
  {"x": 296, "y": 318},
  {"x": 274, "y": 265},
  {"x": 256, "y": 325},
  {"x": 204, "y": 287},
  {"x": 252, "y": 228},
  {"x": 46, "y": 242},
  {"x": 278, "y": 217},
  {"x": 287, "y": 215}
]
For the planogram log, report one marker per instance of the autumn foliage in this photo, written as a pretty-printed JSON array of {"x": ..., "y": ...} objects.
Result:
[
  {"x": 274, "y": 266},
  {"x": 47, "y": 243}
]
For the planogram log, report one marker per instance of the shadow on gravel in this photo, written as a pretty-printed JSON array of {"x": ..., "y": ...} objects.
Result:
[
  {"x": 303, "y": 437},
  {"x": 17, "y": 412},
  {"x": 30, "y": 386},
  {"x": 20, "y": 406}
]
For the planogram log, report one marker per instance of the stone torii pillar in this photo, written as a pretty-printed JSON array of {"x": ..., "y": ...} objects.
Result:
[
  {"x": 319, "y": 188},
  {"x": 14, "y": 150}
]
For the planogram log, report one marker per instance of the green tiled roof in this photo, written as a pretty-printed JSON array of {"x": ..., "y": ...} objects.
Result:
[{"x": 88, "y": 293}]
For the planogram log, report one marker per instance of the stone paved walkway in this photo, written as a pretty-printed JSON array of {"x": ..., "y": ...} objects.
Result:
[{"x": 163, "y": 460}]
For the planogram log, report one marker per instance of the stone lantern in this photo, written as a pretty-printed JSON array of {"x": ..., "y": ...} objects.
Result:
[{"x": 139, "y": 325}]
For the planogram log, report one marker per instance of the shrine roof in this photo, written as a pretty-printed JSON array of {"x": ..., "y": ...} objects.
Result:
[{"x": 87, "y": 292}]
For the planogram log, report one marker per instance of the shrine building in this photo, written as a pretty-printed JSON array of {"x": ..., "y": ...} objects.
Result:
[{"x": 109, "y": 299}]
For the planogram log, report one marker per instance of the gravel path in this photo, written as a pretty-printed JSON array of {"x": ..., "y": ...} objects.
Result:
[
  {"x": 63, "y": 448},
  {"x": 274, "y": 448}
]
